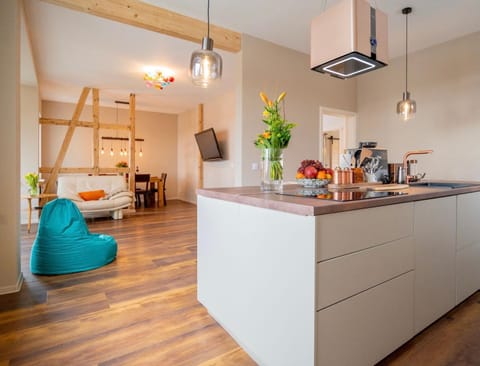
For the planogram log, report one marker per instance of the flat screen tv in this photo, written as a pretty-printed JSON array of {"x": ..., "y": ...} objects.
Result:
[{"x": 208, "y": 145}]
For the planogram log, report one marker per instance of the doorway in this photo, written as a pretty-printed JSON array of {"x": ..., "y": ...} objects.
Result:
[{"x": 337, "y": 132}]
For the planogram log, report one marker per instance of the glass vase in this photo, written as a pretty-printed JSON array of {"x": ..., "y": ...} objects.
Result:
[
  {"x": 272, "y": 169},
  {"x": 33, "y": 191}
]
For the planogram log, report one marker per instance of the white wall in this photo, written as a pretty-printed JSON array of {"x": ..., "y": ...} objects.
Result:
[
  {"x": 273, "y": 69},
  {"x": 158, "y": 129},
  {"x": 10, "y": 272},
  {"x": 445, "y": 82}
]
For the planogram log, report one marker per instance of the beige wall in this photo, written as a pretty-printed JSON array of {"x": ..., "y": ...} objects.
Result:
[
  {"x": 158, "y": 129},
  {"x": 188, "y": 155},
  {"x": 221, "y": 115},
  {"x": 445, "y": 82},
  {"x": 273, "y": 69},
  {"x": 10, "y": 272},
  {"x": 29, "y": 141}
]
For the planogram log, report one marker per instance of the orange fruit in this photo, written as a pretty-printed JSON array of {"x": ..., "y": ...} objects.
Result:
[
  {"x": 299, "y": 176},
  {"x": 322, "y": 174}
]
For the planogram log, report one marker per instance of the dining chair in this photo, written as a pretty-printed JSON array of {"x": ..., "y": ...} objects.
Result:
[
  {"x": 163, "y": 177},
  {"x": 142, "y": 182},
  {"x": 159, "y": 188}
]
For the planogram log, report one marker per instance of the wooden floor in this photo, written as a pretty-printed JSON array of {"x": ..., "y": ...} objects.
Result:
[{"x": 142, "y": 308}]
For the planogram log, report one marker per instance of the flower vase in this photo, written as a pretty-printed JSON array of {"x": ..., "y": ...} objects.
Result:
[
  {"x": 272, "y": 169},
  {"x": 33, "y": 191}
]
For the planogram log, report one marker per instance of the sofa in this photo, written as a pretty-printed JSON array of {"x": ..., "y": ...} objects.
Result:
[{"x": 103, "y": 195}]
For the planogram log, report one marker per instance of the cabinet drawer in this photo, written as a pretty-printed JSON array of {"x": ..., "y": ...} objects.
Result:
[
  {"x": 367, "y": 327},
  {"x": 347, "y": 232},
  {"x": 345, "y": 276}
]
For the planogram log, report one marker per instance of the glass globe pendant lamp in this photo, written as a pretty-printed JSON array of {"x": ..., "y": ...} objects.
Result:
[
  {"x": 205, "y": 64},
  {"x": 407, "y": 107}
]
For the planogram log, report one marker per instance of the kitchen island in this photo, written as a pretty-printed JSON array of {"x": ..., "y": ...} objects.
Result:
[{"x": 304, "y": 281}]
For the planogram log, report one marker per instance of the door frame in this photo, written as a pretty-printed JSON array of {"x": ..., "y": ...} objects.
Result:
[{"x": 348, "y": 135}]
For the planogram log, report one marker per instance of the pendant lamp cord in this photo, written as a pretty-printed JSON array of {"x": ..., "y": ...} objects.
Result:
[
  {"x": 208, "y": 18},
  {"x": 406, "y": 53}
]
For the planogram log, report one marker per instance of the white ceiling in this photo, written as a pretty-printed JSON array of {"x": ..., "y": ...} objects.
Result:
[{"x": 73, "y": 49}]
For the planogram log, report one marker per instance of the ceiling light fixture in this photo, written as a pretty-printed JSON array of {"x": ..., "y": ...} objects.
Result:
[
  {"x": 407, "y": 107},
  {"x": 157, "y": 79},
  {"x": 205, "y": 64}
]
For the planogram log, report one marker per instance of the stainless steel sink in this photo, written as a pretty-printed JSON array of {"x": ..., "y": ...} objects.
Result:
[{"x": 443, "y": 184}]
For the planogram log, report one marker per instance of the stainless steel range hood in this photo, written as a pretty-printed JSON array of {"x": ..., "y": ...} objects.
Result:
[{"x": 349, "y": 39}]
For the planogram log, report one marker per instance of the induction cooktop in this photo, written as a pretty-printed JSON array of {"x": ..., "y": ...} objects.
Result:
[{"x": 342, "y": 196}]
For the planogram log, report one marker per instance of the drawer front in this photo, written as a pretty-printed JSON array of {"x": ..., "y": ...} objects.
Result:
[
  {"x": 347, "y": 232},
  {"x": 365, "y": 328},
  {"x": 342, "y": 277}
]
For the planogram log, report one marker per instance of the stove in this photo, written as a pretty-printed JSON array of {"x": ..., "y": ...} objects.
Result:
[{"x": 341, "y": 196}]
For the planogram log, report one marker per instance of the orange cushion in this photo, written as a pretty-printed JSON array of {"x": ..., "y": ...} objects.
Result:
[{"x": 92, "y": 195}]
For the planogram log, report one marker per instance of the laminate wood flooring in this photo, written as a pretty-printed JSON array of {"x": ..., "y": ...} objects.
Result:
[
  {"x": 142, "y": 308},
  {"x": 139, "y": 310}
]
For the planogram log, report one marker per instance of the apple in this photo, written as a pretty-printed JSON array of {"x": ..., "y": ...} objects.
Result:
[{"x": 310, "y": 172}]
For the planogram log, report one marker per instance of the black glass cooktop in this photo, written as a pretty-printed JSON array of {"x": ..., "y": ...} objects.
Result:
[{"x": 342, "y": 196}]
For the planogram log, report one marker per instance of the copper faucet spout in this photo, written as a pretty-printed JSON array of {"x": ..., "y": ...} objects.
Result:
[{"x": 410, "y": 153}]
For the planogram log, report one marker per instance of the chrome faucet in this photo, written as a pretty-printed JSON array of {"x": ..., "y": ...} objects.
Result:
[{"x": 405, "y": 161}]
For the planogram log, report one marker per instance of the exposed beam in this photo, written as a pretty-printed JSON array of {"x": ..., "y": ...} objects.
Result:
[
  {"x": 68, "y": 138},
  {"x": 96, "y": 126},
  {"x": 199, "y": 156},
  {"x": 131, "y": 177},
  {"x": 48, "y": 170},
  {"x": 156, "y": 19},
  {"x": 66, "y": 122}
]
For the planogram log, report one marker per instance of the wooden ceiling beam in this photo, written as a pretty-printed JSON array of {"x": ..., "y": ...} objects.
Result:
[
  {"x": 66, "y": 122},
  {"x": 156, "y": 19}
]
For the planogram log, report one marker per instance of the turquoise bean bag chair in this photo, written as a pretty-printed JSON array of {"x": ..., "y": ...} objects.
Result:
[{"x": 64, "y": 244}]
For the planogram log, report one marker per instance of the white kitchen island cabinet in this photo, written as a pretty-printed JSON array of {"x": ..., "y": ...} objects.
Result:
[
  {"x": 336, "y": 284},
  {"x": 435, "y": 235},
  {"x": 468, "y": 246}
]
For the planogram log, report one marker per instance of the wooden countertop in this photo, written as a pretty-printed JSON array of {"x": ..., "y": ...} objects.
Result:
[{"x": 306, "y": 206}]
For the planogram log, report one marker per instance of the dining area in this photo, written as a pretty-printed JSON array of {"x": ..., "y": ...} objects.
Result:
[{"x": 150, "y": 190}]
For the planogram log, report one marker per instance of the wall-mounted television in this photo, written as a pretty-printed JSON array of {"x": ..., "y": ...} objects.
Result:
[{"x": 208, "y": 145}]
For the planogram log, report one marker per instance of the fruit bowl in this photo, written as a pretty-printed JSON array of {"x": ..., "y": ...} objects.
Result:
[{"x": 313, "y": 183}]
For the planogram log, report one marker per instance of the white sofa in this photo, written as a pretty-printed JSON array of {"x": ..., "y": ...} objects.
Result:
[{"x": 117, "y": 196}]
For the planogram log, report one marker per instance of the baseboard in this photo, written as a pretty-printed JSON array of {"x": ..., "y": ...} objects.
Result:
[{"x": 13, "y": 288}]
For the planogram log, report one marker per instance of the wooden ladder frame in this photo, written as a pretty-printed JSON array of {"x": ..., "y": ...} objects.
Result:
[{"x": 96, "y": 125}]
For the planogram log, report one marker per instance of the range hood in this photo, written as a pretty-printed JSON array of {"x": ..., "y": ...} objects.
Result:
[{"x": 349, "y": 39}]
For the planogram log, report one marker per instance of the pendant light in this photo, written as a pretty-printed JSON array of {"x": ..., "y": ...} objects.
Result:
[
  {"x": 407, "y": 107},
  {"x": 205, "y": 64}
]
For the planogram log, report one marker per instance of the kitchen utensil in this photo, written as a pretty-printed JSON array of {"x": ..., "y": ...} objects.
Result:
[{"x": 401, "y": 175}]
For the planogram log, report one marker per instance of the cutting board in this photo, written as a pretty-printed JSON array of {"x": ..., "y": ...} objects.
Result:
[
  {"x": 388, "y": 187},
  {"x": 353, "y": 185}
]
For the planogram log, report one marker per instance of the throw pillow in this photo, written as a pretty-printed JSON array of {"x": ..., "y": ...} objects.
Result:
[{"x": 92, "y": 195}]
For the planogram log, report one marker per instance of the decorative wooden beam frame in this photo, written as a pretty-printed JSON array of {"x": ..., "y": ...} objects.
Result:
[
  {"x": 156, "y": 19},
  {"x": 96, "y": 125},
  {"x": 120, "y": 138},
  {"x": 199, "y": 156}
]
